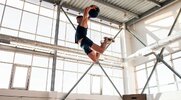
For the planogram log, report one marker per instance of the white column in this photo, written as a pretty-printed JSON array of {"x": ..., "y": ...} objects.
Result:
[{"x": 128, "y": 72}]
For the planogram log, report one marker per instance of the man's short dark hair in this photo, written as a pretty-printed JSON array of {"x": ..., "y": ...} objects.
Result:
[{"x": 79, "y": 16}]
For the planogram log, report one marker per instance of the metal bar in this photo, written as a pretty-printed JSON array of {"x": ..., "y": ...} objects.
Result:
[
  {"x": 55, "y": 52},
  {"x": 110, "y": 80},
  {"x": 135, "y": 36},
  {"x": 149, "y": 77},
  {"x": 86, "y": 71},
  {"x": 157, "y": 3},
  {"x": 114, "y": 37},
  {"x": 2, "y": 15},
  {"x": 68, "y": 17},
  {"x": 77, "y": 82},
  {"x": 160, "y": 59},
  {"x": 174, "y": 22},
  {"x": 160, "y": 54}
]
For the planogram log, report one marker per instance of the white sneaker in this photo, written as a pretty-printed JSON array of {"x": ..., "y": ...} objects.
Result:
[{"x": 108, "y": 40}]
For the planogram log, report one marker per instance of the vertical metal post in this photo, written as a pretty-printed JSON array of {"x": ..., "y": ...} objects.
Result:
[
  {"x": 55, "y": 52},
  {"x": 3, "y": 14},
  {"x": 110, "y": 80},
  {"x": 161, "y": 52}
]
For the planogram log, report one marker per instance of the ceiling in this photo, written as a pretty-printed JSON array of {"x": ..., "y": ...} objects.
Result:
[{"x": 118, "y": 11}]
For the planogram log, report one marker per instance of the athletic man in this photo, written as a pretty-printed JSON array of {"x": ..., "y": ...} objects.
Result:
[{"x": 91, "y": 49}]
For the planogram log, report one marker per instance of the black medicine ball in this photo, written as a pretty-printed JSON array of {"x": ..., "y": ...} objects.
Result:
[{"x": 93, "y": 13}]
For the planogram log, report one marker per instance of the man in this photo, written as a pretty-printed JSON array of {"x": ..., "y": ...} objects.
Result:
[{"x": 91, "y": 49}]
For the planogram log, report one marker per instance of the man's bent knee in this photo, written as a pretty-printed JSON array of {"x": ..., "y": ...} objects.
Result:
[
  {"x": 93, "y": 56},
  {"x": 101, "y": 50}
]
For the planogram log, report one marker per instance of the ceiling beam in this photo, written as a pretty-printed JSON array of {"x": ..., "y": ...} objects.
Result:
[
  {"x": 151, "y": 11},
  {"x": 64, "y": 4},
  {"x": 52, "y": 1},
  {"x": 155, "y": 2},
  {"x": 116, "y": 7},
  {"x": 101, "y": 2},
  {"x": 100, "y": 17}
]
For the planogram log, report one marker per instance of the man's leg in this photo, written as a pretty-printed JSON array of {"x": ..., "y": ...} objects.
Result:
[
  {"x": 93, "y": 56},
  {"x": 91, "y": 53},
  {"x": 101, "y": 49},
  {"x": 93, "y": 50},
  {"x": 103, "y": 45}
]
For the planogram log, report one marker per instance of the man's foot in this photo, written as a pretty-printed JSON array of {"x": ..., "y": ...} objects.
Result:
[{"x": 108, "y": 40}]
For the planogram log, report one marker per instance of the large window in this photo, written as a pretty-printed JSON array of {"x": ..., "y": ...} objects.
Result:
[
  {"x": 29, "y": 22},
  {"x": 5, "y": 72},
  {"x": 20, "y": 73},
  {"x": 38, "y": 79},
  {"x": 9, "y": 21}
]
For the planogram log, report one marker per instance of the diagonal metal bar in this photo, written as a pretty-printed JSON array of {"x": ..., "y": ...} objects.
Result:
[
  {"x": 78, "y": 82},
  {"x": 174, "y": 22},
  {"x": 149, "y": 77},
  {"x": 135, "y": 36},
  {"x": 68, "y": 18},
  {"x": 161, "y": 52},
  {"x": 114, "y": 37},
  {"x": 110, "y": 80},
  {"x": 160, "y": 59}
]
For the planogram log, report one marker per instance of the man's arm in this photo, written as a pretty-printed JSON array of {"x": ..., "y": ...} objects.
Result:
[{"x": 85, "y": 18}]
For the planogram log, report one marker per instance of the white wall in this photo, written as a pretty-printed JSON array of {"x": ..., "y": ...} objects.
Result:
[
  {"x": 156, "y": 27},
  {"x": 129, "y": 79}
]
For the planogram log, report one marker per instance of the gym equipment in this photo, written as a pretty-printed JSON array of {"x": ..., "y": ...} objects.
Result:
[
  {"x": 93, "y": 13},
  {"x": 135, "y": 97}
]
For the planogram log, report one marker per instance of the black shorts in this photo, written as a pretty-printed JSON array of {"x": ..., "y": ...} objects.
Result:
[{"x": 86, "y": 44}]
